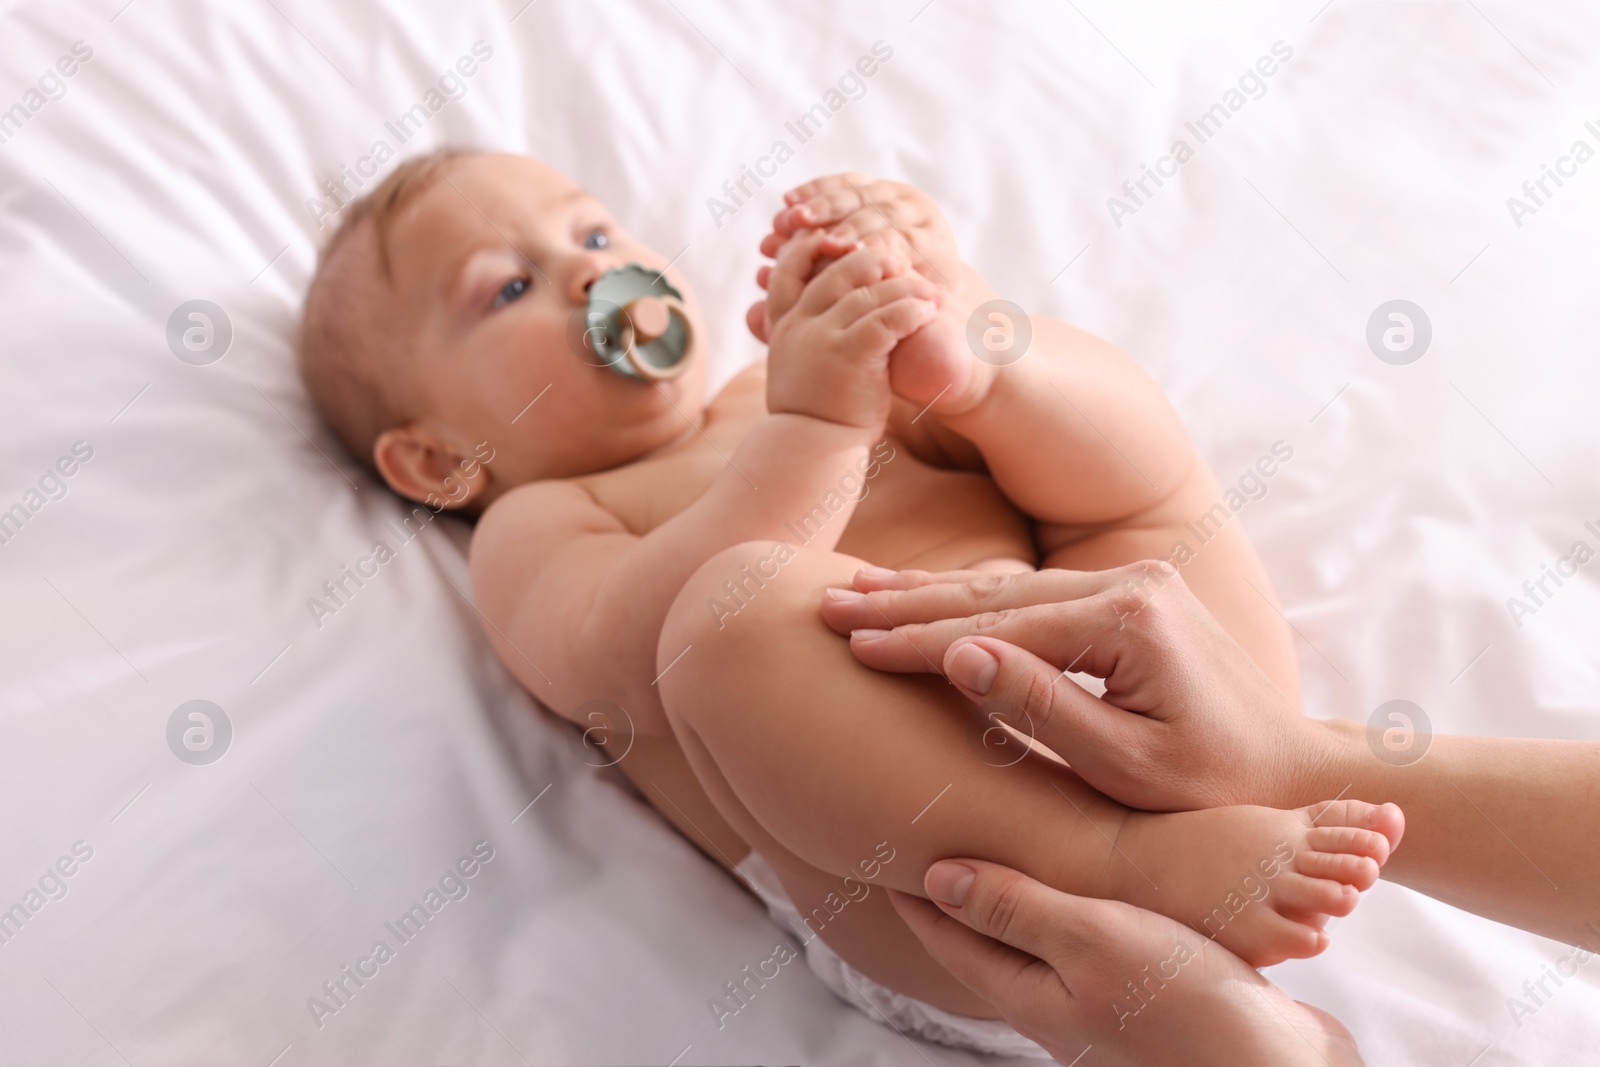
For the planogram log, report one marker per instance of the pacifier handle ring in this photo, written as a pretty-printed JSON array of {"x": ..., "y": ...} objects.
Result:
[{"x": 644, "y": 368}]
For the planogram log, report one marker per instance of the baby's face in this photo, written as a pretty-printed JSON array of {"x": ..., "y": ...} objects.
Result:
[{"x": 489, "y": 266}]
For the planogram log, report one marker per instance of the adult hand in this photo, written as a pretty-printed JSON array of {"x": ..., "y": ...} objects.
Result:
[
  {"x": 1187, "y": 720},
  {"x": 1058, "y": 967}
]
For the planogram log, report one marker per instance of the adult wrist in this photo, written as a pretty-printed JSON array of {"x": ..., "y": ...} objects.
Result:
[{"x": 1322, "y": 764}]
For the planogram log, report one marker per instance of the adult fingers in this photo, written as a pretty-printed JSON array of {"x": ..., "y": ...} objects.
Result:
[
  {"x": 1022, "y": 986},
  {"x": 1034, "y": 698},
  {"x": 1078, "y": 635},
  {"x": 917, "y": 597},
  {"x": 869, "y": 578}
]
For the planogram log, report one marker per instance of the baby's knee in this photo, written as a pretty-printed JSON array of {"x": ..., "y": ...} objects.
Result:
[{"x": 745, "y": 597}]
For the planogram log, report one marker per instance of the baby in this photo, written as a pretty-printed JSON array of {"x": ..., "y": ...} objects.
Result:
[{"x": 639, "y": 547}]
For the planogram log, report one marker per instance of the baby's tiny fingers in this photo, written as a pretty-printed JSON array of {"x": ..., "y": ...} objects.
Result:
[
  {"x": 791, "y": 220},
  {"x": 833, "y": 281},
  {"x": 755, "y": 317},
  {"x": 879, "y": 331},
  {"x": 874, "y": 230}
]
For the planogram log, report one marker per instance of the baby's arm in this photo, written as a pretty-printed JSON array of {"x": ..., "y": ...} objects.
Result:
[{"x": 575, "y": 601}]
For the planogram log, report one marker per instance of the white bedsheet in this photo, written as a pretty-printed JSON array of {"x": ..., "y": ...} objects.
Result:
[{"x": 371, "y": 754}]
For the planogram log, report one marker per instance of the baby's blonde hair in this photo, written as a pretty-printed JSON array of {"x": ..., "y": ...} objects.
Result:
[{"x": 348, "y": 344}]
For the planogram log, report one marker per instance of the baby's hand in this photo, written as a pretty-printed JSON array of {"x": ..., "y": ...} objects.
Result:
[
  {"x": 829, "y": 350},
  {"x": 799, "y": 261},
  {"x": 933, "y": 366}
]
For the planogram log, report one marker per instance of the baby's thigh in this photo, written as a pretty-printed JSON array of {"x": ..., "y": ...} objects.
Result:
[
  {"x": 760, "y": 693},
  {"x": 817, "y": 746}
]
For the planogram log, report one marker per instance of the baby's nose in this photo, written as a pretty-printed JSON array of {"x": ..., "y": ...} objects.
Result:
[{"x": 586, "y": 272}]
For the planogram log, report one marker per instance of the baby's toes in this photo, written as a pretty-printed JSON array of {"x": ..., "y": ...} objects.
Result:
[
  {"x": 1347, "y": 868},
  {"x": 1349, "y": 840},
  {"x": 1313, "y": 898},
  {"x": 1385, "y": 819},
  {"x": 1275, "y": 938}
]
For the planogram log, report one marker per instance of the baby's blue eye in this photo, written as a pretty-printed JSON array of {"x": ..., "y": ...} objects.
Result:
[
  {"x": 512, "y": 290},
  {"x": 596, "y": 240}
]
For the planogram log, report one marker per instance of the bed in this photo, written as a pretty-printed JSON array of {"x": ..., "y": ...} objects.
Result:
[{"x": 250, "y": 794}]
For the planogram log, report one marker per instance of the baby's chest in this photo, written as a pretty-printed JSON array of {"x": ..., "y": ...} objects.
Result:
[{"x": 918, "y": 516}]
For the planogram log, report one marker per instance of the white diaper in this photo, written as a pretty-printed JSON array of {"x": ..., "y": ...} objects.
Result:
[{"x": 875, "y": 1000}]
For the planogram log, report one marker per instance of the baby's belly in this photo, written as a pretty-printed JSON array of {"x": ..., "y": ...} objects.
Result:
[{"x": 915, "y": 516}]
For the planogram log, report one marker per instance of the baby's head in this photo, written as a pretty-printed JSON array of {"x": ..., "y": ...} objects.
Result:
[{"x": 444, "y": 305}]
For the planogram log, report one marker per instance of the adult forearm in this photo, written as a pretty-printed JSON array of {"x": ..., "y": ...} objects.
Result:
[{"x": 1504, "y": 827}]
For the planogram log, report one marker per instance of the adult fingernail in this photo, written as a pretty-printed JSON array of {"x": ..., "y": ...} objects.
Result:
[
  {"x": 948, "y": 882},
  {"x": 844, "y": 596},
  {"x": 973, "y": 667},
  {"x": 877, "y": 574},
  {"x": 868, "y": 635}
]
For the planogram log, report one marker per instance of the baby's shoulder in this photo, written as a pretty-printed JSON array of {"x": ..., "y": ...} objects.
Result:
[{"x": 522, "y": 518}]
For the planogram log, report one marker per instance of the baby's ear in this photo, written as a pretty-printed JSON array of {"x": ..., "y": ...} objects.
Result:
[{"x": 420, "y": 465}]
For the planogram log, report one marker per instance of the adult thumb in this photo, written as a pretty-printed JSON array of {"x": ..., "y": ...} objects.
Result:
[{"x": 1030, "y": 696}]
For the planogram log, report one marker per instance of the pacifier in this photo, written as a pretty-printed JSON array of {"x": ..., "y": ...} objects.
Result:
[{"x": 636, "y": 324}]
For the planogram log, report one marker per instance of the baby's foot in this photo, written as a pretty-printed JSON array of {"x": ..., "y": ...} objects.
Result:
[
  {"x": 1260, "y": 881},
  {"x": 935, "y": 366}
]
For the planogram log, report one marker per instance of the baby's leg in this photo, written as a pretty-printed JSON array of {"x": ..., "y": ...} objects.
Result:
[
  {"x": 1218, "y": 563},
  {"x": 800, "y": 745}
]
